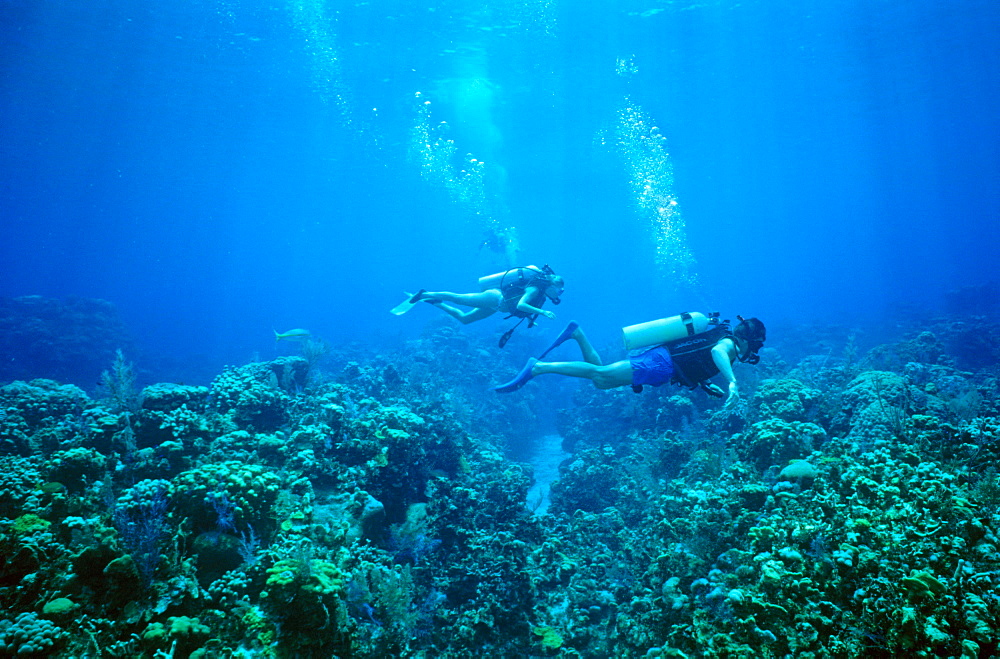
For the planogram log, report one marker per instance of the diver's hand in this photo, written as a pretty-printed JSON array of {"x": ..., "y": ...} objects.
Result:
[
  {"x": 734, "y": 394},
  {"x": 548, "y": 314}
]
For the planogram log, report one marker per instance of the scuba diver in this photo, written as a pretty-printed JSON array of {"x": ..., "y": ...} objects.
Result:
[
  {"x": 502, "y": 242},
  {"x": 687, "y": 350},
  {"x": 519, "y": 292}
]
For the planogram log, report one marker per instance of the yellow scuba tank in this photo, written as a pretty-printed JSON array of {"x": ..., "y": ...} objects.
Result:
[
  {"x": 497, "y": 280},
  {"x": 663, "y": 330}
]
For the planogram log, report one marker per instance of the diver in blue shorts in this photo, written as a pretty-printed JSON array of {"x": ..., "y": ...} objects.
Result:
[{"x": 692, "y": 363}]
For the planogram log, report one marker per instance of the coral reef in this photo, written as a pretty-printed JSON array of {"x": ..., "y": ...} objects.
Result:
[{"x": 849, "y": 506}]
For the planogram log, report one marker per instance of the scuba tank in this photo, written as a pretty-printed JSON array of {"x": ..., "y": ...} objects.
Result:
[
  {"x": 664, "y": 330},
  {"x": 512, "y": 276}
]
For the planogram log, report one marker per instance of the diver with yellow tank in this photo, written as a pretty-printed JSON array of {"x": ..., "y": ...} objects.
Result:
[
  {"x": 688, "y": 350},
  {"x": 519, "y": 292}
]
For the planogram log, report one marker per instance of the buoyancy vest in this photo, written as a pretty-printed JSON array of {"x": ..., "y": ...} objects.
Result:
[
  {"x": 509, "y": 303},
  {"x": 515, "y": 282},
  {"x": 692, "y": 356}
]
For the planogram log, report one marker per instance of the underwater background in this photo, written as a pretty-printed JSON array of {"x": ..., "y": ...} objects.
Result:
[{"x": 180, "y": 181}]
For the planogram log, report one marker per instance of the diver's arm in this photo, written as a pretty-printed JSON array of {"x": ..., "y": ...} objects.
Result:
[
  {"x": 524, "y": 304},
  {"x": 723, "y": 354}
]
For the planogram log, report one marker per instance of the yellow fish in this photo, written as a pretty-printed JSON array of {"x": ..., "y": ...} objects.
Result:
[{"x": 292, "y": 335}]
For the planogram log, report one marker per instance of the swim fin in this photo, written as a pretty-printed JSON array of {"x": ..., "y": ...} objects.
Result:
[
  {"x": 519, "y": 380},
  {"x": 407, "y": 304},
  {"x": 563, "y": 336}
]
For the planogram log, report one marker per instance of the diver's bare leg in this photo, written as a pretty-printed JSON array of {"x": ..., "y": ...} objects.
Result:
[
  {"x": 586, "y": 347},
  {"x": 490, "y": 299},
  {"x": 464, "y": 317},
  {"x": 614, "y": 375}
]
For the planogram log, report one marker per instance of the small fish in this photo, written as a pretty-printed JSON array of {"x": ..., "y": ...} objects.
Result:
[{"x": 292, "y": 335}]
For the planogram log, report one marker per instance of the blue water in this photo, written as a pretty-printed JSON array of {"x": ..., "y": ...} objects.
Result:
[{"x": 217, "y": 170}]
